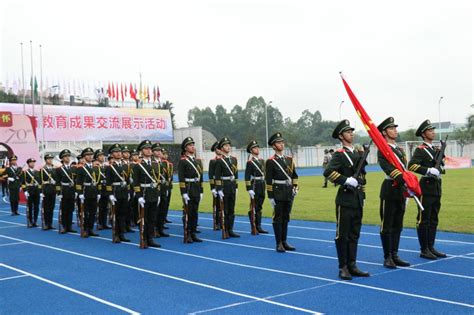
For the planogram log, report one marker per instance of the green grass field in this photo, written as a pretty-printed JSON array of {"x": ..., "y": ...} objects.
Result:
[{"x": 316, "y": 203}]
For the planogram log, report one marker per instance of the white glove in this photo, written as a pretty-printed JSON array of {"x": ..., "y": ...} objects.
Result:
[
  {"x": 251, "y": 194},
  {"x": 11, "y": 179},
  {"x": 221, "y": 194},
  {"x": 433, "y": 171},
  {"x": 112, "y": 199},
  {"x": 41, "y": 196},
  {"x": 214, "y": 192},
  {"x": 81, "y": 197},
  {"x": 167, "y": 193},
  {"x": 351, "y": 181},
  {"x": 236, "y": 191},
  {"x": 53, "y": 182},
  {"x": 75, "y": 195},
  {"x": 272, "y": 202},
  {"x": 60, "y": 197},
  {"x": 128, "y": 197},
  {"x": 186, "y": 198},
  {"x": 27, "y": 195},
  {"x": 141, "y": 201},
  {"x": 158, "y": 202},
  {"x": 200, "y": 197},
  {"x": 295, "y": 191},
  {"x": 98, "y": 198}
]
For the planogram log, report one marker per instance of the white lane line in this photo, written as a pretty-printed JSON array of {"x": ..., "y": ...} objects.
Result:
[
  {"x": 8, "y": 227},
  {"x": 267, "y": 298},
  {"x": 87, "y": 295},
  {"x": 200, "y": 284},
  {"x": 13, "y": 277},
  {"x": 246, "y": 266},
  {"x": 14, "y": 243},
  {"x": 332, "y": 230}
]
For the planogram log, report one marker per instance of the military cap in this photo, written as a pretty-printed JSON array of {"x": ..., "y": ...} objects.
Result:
[
  {"x": 387, "y": 123},
  {"x": 86, "y": 151},
  {"x": 98, "y": 153},
  {"x": 164, "y": 150},
  {"x": 125, "y": 149},
  {"x": 134, "y": 152},
  {"x": 13, "y": 158},
  {"x": 251, "y": 145},
  {"x": 326, "y": 151},
  {"x": 144, "y": 144},
  {"x": 79, "y": 156},
  {"x": 344, "y": 125},
  {"x": 223, "y": 141},
  {"x": 155, "y": 146},
  {"x": 109, "y": 157},
  {"x": 275, "y": 138},
  {"x": 426, "y": 125},
  {"x": 30, "y": 160},
  {"x": 64, "y": 153},
  {"x": 115, "y": 148},
  {"x": 186, "y": 141},
  {"x": 48, "y": 156},
  {"x": 215, "y": 146}
]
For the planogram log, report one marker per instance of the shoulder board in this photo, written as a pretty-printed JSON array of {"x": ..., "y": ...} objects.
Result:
[
  {"x": 422, "y": 146},
  {"x": 183, "y": 158},
  {"x": 272, "y": 157},
  {"x": 340, "y": 150}
]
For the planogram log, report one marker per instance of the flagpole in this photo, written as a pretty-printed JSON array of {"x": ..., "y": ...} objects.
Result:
[
  {"x": 32, "y": 79},
  {"x": 23, "y": 80},
  {"x": 43, "y": 145},
  {"x": 141, "y": 91}
]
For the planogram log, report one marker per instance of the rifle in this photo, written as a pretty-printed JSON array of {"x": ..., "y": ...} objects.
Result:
[
  {"x": 440, "y": 154},
  {"x": 141, "y": 221},
  {"x": 113, "y": 214},
  {"x": 225, "y": 233},
  {"x": 60, "y": 216},
  {"x": 361, "y": 165},
  {"x": 185, "y": 221},
  {"x": 28, "y": 222},
  {"x": 43, "y": 225},
  {"x": 253, "y": 226},
  {"x": 214, "y": 213},
  {"x": 81, "y": 220}
]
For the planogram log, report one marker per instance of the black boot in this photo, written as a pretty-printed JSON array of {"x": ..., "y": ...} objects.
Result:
[
  {"x": 422, "y": 232},
  {"x": 280, "y": 248},
  {"x": 123, "y": 238},
  {"x": 356, "y": 272},
  {"x": 259, "y": 223},
  {"x": 277, "y": 232},
  {"x": 163, "y": 233},
  {"x": 395, "y": 243},
  {"x": 152, "y": 243},
  {"x": 341, "y": 248},
  {"x": 351, "y": 253},
  {"x": 387, "y": 251},
  {"x": 284, "y": 233},
  {"x": 231, "y": 227},
  {"x": 431, "y": 241},
  {"x": 195, "y": 238},
  {"x": 344, "y": 273},
  {"x": 427, "y": 254}
]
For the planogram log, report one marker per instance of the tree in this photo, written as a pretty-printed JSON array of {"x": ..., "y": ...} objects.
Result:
[{"x": 169, "y": 106}]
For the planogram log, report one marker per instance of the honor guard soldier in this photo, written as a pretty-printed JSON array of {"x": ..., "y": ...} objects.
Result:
[
  {"x": 392, "y": 199},
  {"x": 48, "y": 191},
  {"x": 87, "y": 180},
  {"x": 281, "y": 182},
  {"x": 127, "y": 167},
  {"x": 327, "y": 158},
  {"x": 216, "y": 211},
  {"x": 423, "y": 162},
  {"x": 170, "y": 171},
  {"x": 135, "y": 160},
  {"x": 14, "y": 184},
  {"x": 190, "y": 174},
  {"x": 145, "y": 181},
  {"x": 163, "y": 190},
  {"x": 226, "y": 175},
  {"x": 118, "y": 192},
  {"x": 30, "y": 184},
  {"x": 99, "y": 155},
  {"x": 255, "y": 184},
  {"x": 66, "y": 192},
  {"x": 349, "y": 200}
]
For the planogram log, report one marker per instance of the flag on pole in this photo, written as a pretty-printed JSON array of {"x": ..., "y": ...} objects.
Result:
[
  {"x": 109, "y": 91},
  {"x": 125, "y": 89},
  {"x": 116, "y": 92},
  {"x": 113, "y": 91},
  {"x": 121, "y": 91},
  {"x": 148, "y": 94},
  {"x": 140, "y": 93},
  {"x": 132, "y": 93},
  {"x": 158, "y": 94},
  {"x": 154, "y": 95},
  {"x": 410, "y": 179}
]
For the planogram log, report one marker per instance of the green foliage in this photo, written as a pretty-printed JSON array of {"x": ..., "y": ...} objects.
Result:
[{"x": 9, "y": 98}]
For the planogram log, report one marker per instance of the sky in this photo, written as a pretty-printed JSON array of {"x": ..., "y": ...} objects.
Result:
[{"x": 399, "y": 57}]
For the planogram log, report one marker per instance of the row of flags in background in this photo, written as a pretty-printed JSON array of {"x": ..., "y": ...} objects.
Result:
[{"x": 118, "y": 92}]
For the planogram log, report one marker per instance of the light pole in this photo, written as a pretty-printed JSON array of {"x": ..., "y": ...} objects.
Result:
[
  {"x": 340, "y": 107},
  {"x": 439, "y": 116},
  {"x": 266, "y": 122}
]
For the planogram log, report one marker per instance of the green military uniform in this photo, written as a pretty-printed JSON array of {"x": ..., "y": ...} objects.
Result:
[
  {"x": 133, "y": 197},
  {"x": 145, "y": 181},
  {"x": 226, "y": 176},
  {"x": 281, "y": 182},
  {"x": 14, "y": 184},
  {"x": 212, "y": 184},
  {"x": 103, "y": 200},
  {"x": 48, "y": 185},
  {"x": 31, "y": 186},
  {"x": 169, "y": 187},
  {"x": 66, "y": 193},
  {"x": 190, "y": 175},
  {"x": 392, "y": 202},
  {"x": 423, "y": 162},
  {"x": 349, "y": 203},
  {"x": 255, "y": 184},
  {"x": 163, "y": 182}
]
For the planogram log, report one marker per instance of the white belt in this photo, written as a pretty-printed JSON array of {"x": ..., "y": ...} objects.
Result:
[
  {"x": 231, "y": 178},
  {"x": 47, "y": 182},
  {"x": 258, "y": 178},
  {"x": 119, "y": 184},
  {"x": 388, "y": 178},
  {"x": 281, "y": 182},
  {"x": 31, "y": 185},
  {"x": 191, "y": 180},
  {"x": 88, "y": 184},
  {"x": 66, "y": 184},
  {"x": 148, "y": 185}
]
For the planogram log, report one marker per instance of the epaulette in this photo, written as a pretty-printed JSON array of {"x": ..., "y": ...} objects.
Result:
[
  {"x": 421, "y": 146},
  {"x": 183, "y": 158},
  {"x": 340, "y": 150}
]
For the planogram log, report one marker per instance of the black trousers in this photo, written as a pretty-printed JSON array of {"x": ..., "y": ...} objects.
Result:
[
  {"x": 134, "y": 208},
  {"x": 229, "y": 210},
  {"x": 33, "y": 207},
  {"x": 281, "y": 217},
  {"x": 14, "y": 199},
  {"x": 150, "y": 219},
  {"x": 349, "y": 223},
  {"x": 122, "y": 209},
  {"x": 90, "y": 210},
  {"x": 103, "y": 209},
  {"x": 67, "y": 209},
  {"x": 162, "y": 211},
  {"x": 4, "y": 187},
  {"x": 391, "y": 215},
  {"x": 427, "y": 220},
  {"x": 193, "y": 208},
  {"x": 168, "y": 200},
  {"x": 49, "y": 201}
]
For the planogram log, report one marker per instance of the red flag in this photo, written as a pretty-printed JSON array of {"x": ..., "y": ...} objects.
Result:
[
  {"x": 148, "y": 94},
  {"x": 125, "y": 89},
  {"x": 113, "y": 91},
  {"x": 410, "y": 179},
  {"x": 154, "y": 95},
  {"x": 109, "y": 92},
  {"x": 132, "y": 93},
  {"x": 121, "y": 91},
  {"x": 158, "y": 93},
  {"x": 116, "y": 92}
]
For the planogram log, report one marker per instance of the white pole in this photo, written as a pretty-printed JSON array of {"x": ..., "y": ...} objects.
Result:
[
  {"x": 340, "y": 108},
  {"x": 32, "y": 79},
  {"x": 439, "y": 117},
  {"x": 266, "y": 122},
  {"x": 23, "y": 80},
  {"x": 43, "y": 144}
]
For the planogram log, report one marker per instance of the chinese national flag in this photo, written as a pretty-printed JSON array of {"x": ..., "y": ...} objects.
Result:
[
  {"x": 6, "y": 119},
  {"x": 132, "y": 92},
  {"x": 121, "y": 91},
  {"x": 116, "y": 92},
  {"x": 113, "y": 91},
  {"x": 158, "y": 93},
  {"x": 154, "y": 95},
  {"x": 109, "y": 91}
]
